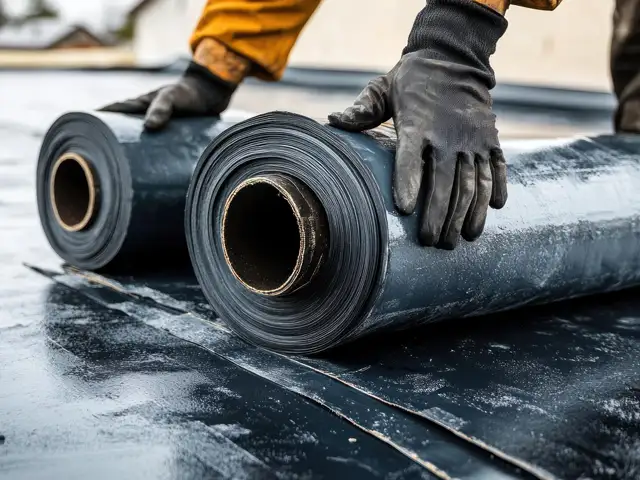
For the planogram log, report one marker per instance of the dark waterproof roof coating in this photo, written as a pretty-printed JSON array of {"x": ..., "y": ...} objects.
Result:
[{"x": 131, "y": 376}]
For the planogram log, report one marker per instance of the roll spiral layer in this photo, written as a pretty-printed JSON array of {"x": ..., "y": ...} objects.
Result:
[
  {"x": 317, "y": 316},
  {"x": 110, "y": 194}
]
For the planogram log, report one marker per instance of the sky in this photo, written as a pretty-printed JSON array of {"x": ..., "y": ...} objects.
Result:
[{"x": 97, "y": 13}]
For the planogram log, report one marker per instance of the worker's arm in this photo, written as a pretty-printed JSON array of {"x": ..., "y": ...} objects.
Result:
[
  {"x": 448, "y": 155},
  {"x": 233, "y": 39},
  {"x": 263, "y": 31},
  {"x": 537, "y": 4},
  {"x": 501, "y": 6}
]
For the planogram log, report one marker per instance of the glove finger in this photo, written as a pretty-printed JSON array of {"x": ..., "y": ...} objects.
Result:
[
  {"x": 160, "y": 111},
  {"x": 499, "y": 182},
  {"x": 131, "y": 106},
  {"x": 477, "y": 215},
  {"x": 370, "y": 108},
  {"x": 407, "y": 173},
  {"x": 440, "y": 176},
  {"x": 462, "y": 194}
]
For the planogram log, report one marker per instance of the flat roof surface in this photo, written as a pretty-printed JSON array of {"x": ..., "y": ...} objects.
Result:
[{"x": 125, "y": 378}]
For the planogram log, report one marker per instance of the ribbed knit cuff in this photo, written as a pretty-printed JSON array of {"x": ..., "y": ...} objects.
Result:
[
  {"x": 203, "y": 74},
  {"x": 458, "y": 31}
]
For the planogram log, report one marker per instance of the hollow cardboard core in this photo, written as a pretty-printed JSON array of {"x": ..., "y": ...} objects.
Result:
[
  {"x": 262, "y": 236},
  {"x": 73, "y": 192}
]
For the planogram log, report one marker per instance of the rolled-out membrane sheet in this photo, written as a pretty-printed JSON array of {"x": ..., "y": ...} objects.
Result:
[
  {"x": 571, "y": 227},
  {"x": 553, "y": 389},
  {"x": 111, "y": 194}
]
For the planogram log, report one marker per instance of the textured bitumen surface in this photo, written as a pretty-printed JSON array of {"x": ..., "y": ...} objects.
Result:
[{"x": 134, "y": 379}]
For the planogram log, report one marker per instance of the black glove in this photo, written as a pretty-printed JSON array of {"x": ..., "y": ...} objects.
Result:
[
  {"x": 197, "y": 93},
  {"x": 438, "y": 96}
]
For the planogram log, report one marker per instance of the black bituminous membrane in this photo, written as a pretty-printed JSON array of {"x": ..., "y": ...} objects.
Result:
[
  {"x": 553, "y": 389},
  {"x": 142, "y": 180},
  {"x": 107, "y": 396},
  {"x": 571, "y": 227}
]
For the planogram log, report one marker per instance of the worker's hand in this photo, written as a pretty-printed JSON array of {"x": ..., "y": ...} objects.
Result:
[
  {"x": 197, "y": 93},
  {"x": 438, "y": 97},
  {"x": 204, "y": 89}
]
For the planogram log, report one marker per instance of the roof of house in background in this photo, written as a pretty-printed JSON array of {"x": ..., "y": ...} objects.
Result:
[{"x": 42, "y": 34}]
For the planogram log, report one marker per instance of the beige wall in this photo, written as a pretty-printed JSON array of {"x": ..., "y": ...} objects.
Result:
[
  {"x": 356, "y": 34},
  {"x": 163, "y": 29},
  {"x": 567, "y": 47}
]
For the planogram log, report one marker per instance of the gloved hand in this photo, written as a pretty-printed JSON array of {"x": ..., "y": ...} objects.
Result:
[
  {"x": 199, "y": 92},
  {"x": 438, "y": 96}
]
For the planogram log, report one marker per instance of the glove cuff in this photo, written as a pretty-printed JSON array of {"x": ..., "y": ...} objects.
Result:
[
  {"x": 458, "y": 31},
  {"x": 220, "y": 61},
  {"x": 203, "y": 77}
]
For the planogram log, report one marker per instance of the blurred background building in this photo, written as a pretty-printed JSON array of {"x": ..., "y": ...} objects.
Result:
[
  {"x": 48, "y": 34},
  {"x": 36, "y": 34},
  {"x": 565, "y": 48}
]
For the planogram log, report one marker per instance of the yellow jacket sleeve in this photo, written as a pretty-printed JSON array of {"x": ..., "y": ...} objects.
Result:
[{"x": 263, "y": 31}]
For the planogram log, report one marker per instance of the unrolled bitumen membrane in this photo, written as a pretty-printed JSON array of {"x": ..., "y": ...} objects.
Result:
[
  {"x": 571, "y": 227},
  {"x": 111, "y": 195}
]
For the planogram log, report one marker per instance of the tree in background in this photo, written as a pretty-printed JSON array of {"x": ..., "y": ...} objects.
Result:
[
  {"x": 4, "y": 18},
  {"x": 125, "y": 32},
  {"x": 40, "y": 9}
]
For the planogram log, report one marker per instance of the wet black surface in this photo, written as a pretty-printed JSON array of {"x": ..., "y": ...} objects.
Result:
[
  {"x": 95, "y": 386},
  {"x": 557, "y": 387},
  {"x": 426, "y": 444},
  {"x": 83, "y": 384}
]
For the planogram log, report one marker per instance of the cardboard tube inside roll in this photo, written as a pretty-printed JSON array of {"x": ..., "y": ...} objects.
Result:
[
  {"x": 73, "y": 192},
  {"x": 274, "y": 234}
]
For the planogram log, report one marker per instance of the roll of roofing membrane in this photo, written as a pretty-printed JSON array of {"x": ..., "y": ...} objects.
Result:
[
  {"x": 296, "y": 243},
  {"x": 111, "y": 195}
]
